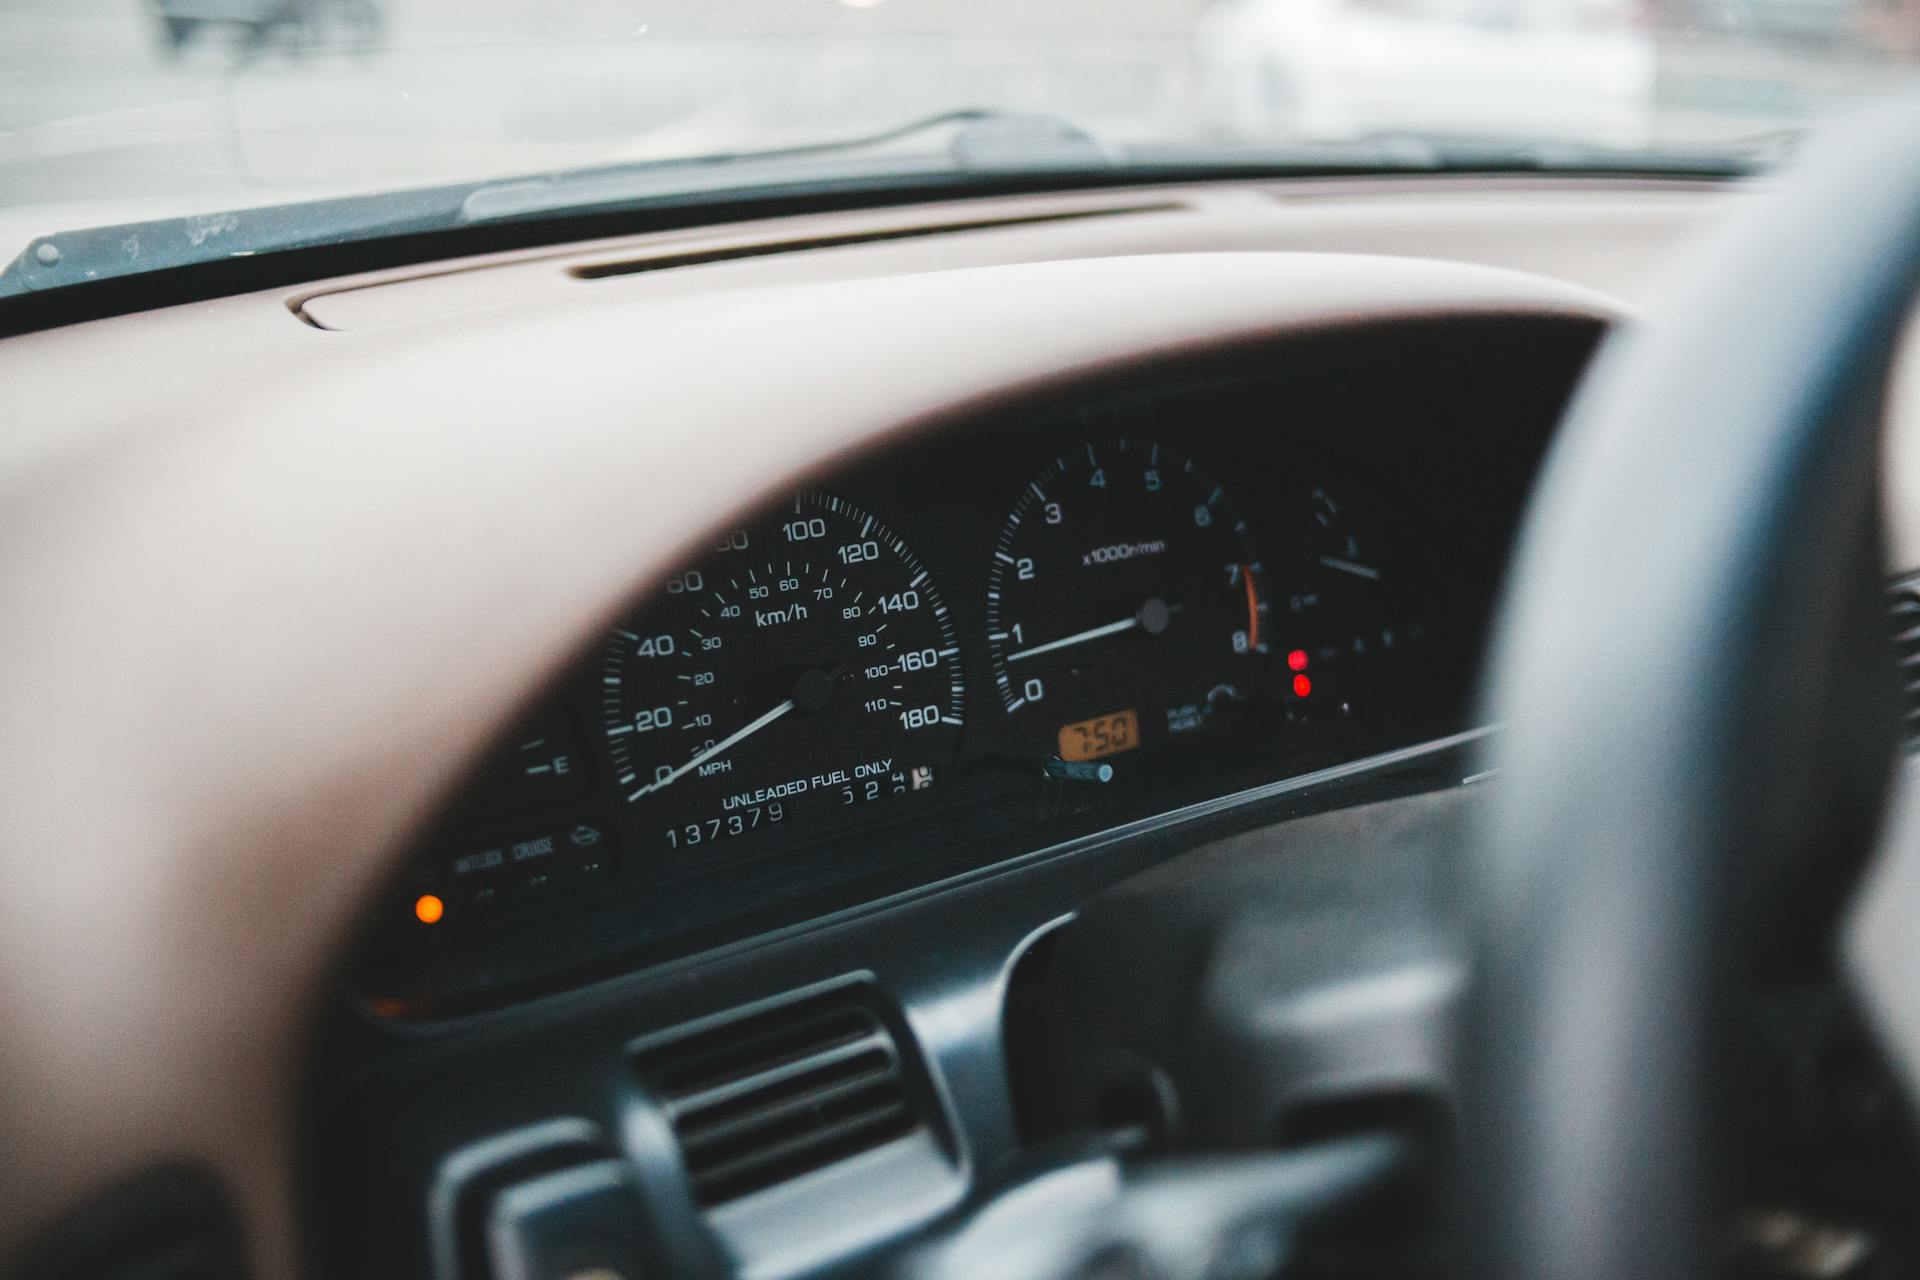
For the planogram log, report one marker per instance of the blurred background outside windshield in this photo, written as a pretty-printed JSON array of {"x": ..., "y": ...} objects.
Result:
[{"x": 120, "y": 110}]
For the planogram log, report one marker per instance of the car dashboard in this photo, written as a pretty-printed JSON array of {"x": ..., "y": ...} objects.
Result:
[
  {"x": 1035, "y": 626},
  {"x": 752, "y": 647}
]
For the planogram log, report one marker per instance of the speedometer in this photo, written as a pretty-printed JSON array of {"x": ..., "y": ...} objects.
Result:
[
  {"x": 802, "y": 676},
  {"x": 1126, "y": 603}
]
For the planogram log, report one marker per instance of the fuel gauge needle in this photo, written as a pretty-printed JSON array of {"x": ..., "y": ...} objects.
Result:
[{"x": 1358, "y": 570}]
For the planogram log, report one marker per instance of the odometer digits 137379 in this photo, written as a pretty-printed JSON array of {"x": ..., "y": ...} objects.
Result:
[{"x": 801, "y": 678}]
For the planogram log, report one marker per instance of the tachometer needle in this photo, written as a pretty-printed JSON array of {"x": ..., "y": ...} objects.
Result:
[
  {"x": 1078, "y": 637},
  {"x": 1366, "y": 571},
  {"x": 731, "y": 740},
  {"x": 1151, "y": 617}
]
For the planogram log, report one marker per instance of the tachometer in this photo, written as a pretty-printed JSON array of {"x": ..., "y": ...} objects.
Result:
[
  {"x": 802, "y": 674},
  {"x": 1126, "y": 602}
]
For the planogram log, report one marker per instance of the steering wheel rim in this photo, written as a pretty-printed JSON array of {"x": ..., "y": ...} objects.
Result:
[{"x": 1693, "y": 676}]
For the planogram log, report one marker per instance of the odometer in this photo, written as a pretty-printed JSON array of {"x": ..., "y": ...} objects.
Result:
[{"x": 801, "y": 678}]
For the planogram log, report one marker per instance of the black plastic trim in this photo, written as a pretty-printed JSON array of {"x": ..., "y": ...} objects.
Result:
[
  {"x": 938, "y": 962},
  {"x": 463, "y": 1186},
  {"x": 503, "y": 1002}
]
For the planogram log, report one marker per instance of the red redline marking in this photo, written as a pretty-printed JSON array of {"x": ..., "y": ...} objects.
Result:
[{"x": 1253, "y": 607}]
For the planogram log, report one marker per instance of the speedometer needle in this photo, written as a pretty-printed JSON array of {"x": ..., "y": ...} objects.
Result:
[
  {"x": 1151, "y": 618},
  {"x": 812, "y": 692},
  {"x": 731, "y": 740}
]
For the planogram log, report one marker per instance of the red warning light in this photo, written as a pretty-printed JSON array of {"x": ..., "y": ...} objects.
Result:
[
  {"x": 1302, "y": 686},
  {"x": 1296, "y": 660}
]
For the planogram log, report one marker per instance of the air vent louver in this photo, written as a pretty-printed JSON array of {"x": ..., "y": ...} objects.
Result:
[
  {"x": 765, "y": 1099},
  {"x": 1903, "y": 606}
]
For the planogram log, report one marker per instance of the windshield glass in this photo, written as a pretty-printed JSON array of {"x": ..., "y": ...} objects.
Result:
[{"x": 115, "y": 111}]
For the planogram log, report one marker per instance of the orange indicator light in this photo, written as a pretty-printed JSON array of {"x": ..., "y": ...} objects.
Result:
[{"x": 427, "y": 908}]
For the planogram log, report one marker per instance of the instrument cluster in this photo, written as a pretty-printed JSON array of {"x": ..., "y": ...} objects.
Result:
[{"x": 979, "y": 647}]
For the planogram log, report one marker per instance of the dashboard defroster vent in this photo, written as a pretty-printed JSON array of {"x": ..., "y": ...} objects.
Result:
[
  {"x": 736, "y": 249},
  {"x": 761, "y": 1100},
  {"x": 1903, "y": 607}
]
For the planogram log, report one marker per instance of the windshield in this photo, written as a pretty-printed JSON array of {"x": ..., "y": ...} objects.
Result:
[{"x": 117, "y": 111}]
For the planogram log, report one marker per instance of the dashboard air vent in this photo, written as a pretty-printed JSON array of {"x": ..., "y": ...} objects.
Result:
[
  {"x": 761, "y": 1100},
  {"x": 1903, "y": 606}
]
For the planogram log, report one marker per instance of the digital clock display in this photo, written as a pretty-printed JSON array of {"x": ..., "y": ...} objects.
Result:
[{"x": 1106, "y": 735}]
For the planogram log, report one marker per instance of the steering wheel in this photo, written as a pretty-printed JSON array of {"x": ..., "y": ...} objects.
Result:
[{"x": 1698, "y": 696}]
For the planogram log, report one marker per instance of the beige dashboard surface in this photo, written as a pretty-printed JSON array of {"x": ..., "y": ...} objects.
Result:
[
  {"x": 269, "y": 585},
  {"x": 1610, "y": 236}
]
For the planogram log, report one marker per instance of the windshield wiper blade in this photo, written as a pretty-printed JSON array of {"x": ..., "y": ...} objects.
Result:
[
  {"x": 1519, "y": 153},
  {"x": 91, "y": 254}
]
